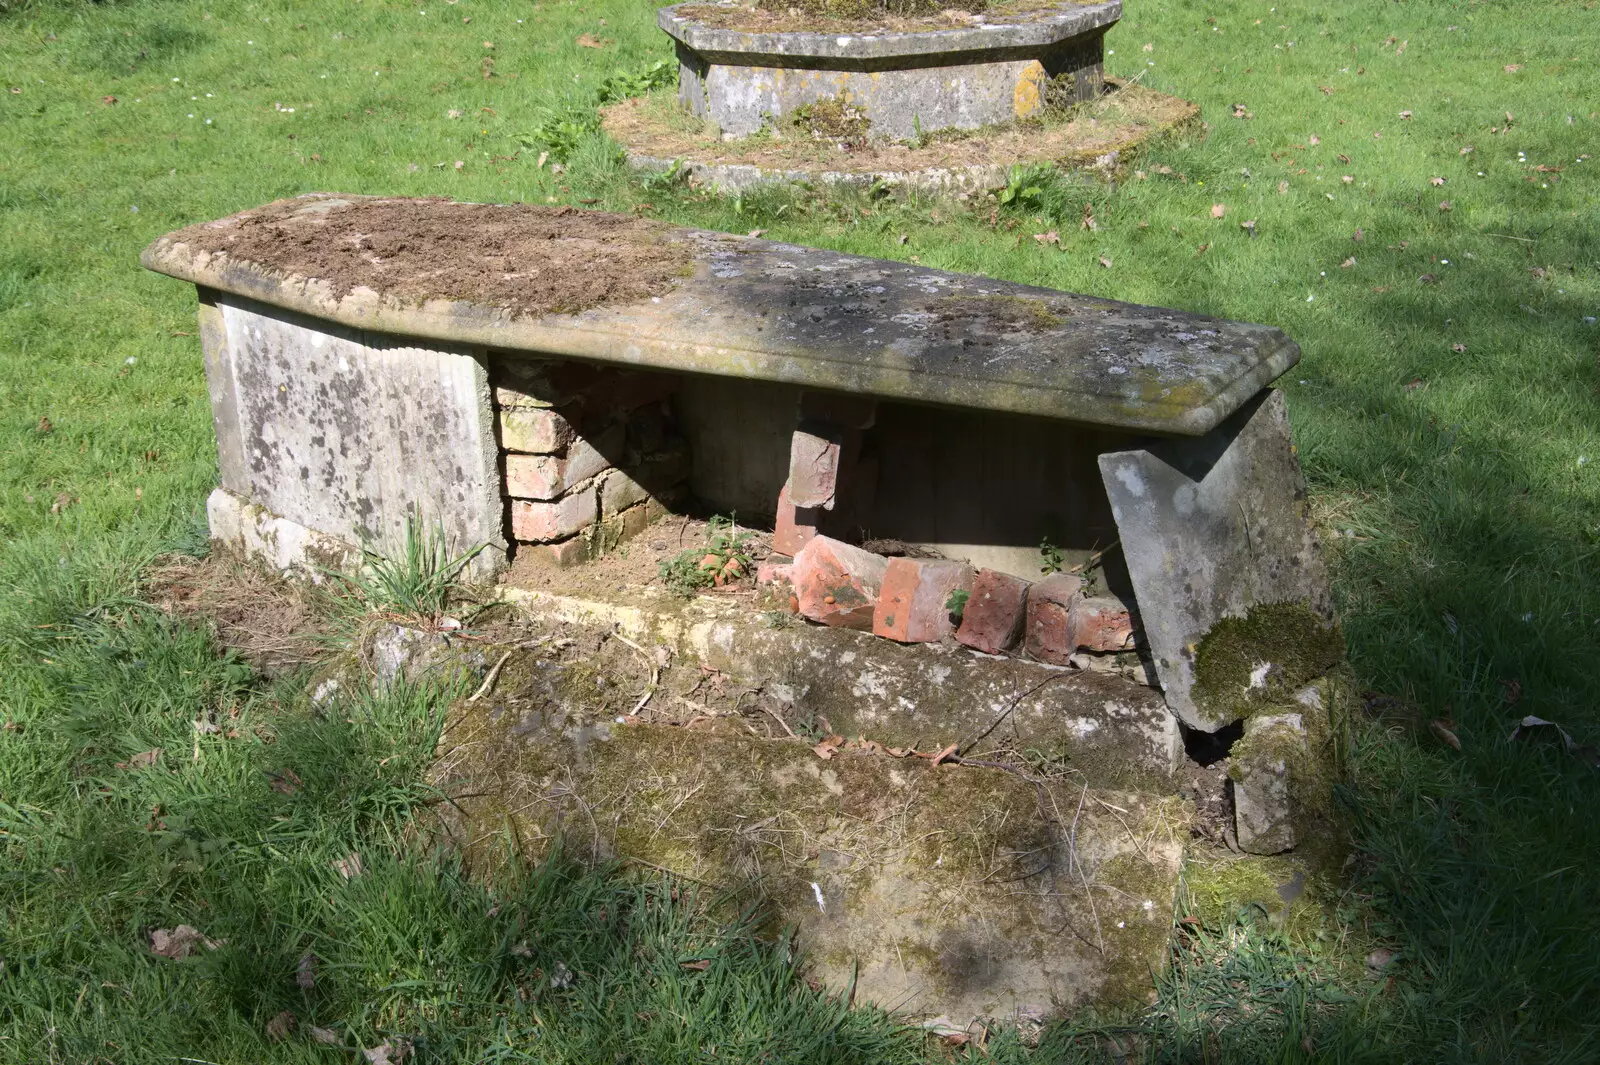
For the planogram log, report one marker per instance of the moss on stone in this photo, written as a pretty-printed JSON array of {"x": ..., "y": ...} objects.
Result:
[{"x": 1246, "y": 663}]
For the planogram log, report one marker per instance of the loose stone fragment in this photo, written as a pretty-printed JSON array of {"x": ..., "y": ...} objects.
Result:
[
  {"x": 992, "y": 620},
  {"x": 814, "y": 465},
  {"x": 1049, "y": 634},
  {"x": 1261, "y": 769},
  {"x": 913, "y": 605},
  {"x": 838, "y": 584},
  {"x": 1101, "y": 623}
]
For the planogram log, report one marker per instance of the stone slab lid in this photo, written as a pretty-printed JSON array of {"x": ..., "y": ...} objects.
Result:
[
  {"x": 991, "y": 37},
  {"x": 732, "y": 306}
]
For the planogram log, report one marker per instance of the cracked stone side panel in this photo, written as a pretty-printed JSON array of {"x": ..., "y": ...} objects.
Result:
[
  {"x": 223, "y": 388},
  {"x": 284, "y": 546},
  {"x": 1211, "y": 527},
  {"x": 348, "y": 433}
]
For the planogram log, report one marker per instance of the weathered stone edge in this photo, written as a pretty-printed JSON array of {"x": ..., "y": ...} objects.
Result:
[
  {"x": 743, "y": 48},
  {"x": 589, "y": 335}
]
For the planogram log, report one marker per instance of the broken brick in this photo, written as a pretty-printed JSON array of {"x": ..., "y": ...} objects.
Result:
[
  {"x": 775, "y": 569},
  {"x": 539, "y": 432},
  {"x": 550, "y": 476},
  {"x": 795, "y": 525},
  {"x": 540, "y": 522},
  {"x": 992, "y": 621},
  {"x": 913, "y": 604},
  {"x": 1101, "y": 623},
  {"x": 1049, "y": 627},
  {"x": 837, "y": 584},
  {"x": 814, "y": 465}
]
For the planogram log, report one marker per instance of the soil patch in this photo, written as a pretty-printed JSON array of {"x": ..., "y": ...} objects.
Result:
[
  {"x": 274, "y": 624},
  {"x": 1123, "y": 117},
  {"x": 529, "y": 259},
  {"x": 871, "y": 16}
]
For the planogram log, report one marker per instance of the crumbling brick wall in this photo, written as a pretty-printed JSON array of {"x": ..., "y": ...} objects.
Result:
[{"x": 590, "y": 454}]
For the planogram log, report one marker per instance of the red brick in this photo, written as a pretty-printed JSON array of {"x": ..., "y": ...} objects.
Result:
[
  {"x": 795, "y": 525},
  {"x": 540, "y": 432},
  {"x": 550, "y": 476},
  {"x": 814, "y": 465},
  {"x": 992, "y": 621},
  {"x": 838, "y": 584},
  {"x": 1101, "y": 623},
  {"x": 912, "y": 606},
  {"x": 775, "y": 569},
  {"x": 557, "y": 520},
  {"x": 1049, "y": 628}
]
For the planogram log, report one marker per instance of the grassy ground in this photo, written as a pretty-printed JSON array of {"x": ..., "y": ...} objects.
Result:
[{"x": 1444, "y": 411}]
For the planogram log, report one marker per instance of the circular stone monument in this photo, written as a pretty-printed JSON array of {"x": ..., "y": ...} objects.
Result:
[
  {"x": 945, "y": 102},
  {"x": 902, "y": 83}
]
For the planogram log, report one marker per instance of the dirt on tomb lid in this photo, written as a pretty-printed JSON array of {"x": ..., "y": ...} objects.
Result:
[
  {"x": 1121, "y": 118},
  {"x": 871, "y": 16},
  {"x": 529, "y": 259}
]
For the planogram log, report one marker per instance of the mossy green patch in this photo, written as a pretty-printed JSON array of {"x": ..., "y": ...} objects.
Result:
[{"x": 1245, "y": 663}]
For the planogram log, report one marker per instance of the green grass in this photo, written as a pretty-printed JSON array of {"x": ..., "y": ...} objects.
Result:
[{"x": 1446, "y": 424}]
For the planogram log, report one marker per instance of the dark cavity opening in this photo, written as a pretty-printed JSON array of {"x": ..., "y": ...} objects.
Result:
[{"x": 1208, "y": 748}]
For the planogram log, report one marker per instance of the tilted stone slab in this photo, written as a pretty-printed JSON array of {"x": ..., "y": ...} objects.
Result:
[
  {"x": 765, "y": 311},
  {"x": 1212, "y": 529}
]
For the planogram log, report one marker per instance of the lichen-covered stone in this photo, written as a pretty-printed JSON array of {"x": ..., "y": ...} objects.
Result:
[{"x": 1260, "y": 769}]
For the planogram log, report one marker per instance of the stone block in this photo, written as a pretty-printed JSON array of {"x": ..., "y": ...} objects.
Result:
[
  {"x": 913, "y": 605},
  {"x": 814, "y": 454},
  {"x": 795, "y": 525},
  {"x": 992, "y": 621},
  {"x": 1261, "y": 768},
  {"x": 527, "y": 382},
  {"x": 1101, "y": 623},
  {"x": 654, "y": 475},
  {"x": 538, "y": 432},
  {"x": 838, "y": 584},
  {"x": 1049, "y": 627},
  {"x": 541, "y": 522}
]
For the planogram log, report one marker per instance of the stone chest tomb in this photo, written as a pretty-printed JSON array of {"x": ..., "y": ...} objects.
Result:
[{"x": 550, "y": 382}]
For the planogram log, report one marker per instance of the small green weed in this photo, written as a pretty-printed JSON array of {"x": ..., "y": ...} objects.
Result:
[
  {"x": 673, "y": 177},
  {"x": 957, "y": 603},
  {"x": 724, "y": 558},
  {"x": 560, "y": 135},
  {"x": 624, "y": 84},
  {"x": 1026, "y": 187},
  {"x": 1051, "y": 559}
]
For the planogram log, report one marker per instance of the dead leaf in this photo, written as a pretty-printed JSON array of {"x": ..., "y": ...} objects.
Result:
[
  {"x": 454, "y": 112},
  {"x": 1314, "y": 140},
  {"x": 1249, "y": 226},
  {"x": 349, "y": 867},
  {"x": 1347, "y": 179},
  {"x": 1459, "y": 349},
  {"x": 1051, "y": 237},
  {"x": 388, "y": 1052},
  {"x": 1468, "y": 150},
  {"x": 1201, "y": 250},
  {"x": 305, "y": 972},
  {"x": 946, "y": 753},
  {"x": 1379, "y": 960},
  {"x": 108, "y": 100},
  {"x": 1436, "y": 181},
  {"x": 1240, "y": 111},
  {"x": 1444, "y": 728},
  {"x": 1343, "y": 158},
  {"x": 1088, "y": 218},
  {"x": 281, "y": 1027},
  {"x": 179, "y": 942},
  {"x": 1428, "y": 279},
  {"x": 828, "y": 747},
  {"x": 1513, "y": 690},
  {"x": 1538, "y": 272},
  {"x": 1405, "y": 114},
  {"x": 1283, "y": 187},
  {"x": 1149, "y": 47},
  {"x": 1218, "y": 210},
  {"x": 45, "y": 426},
  {"x": 1446, "y": 205},
  {"x": 142, "y": 760},
  {"x": 16, "y": 90},
  {"x": 1105, "y": 262},
  {"x": 1512, "y": 68},
  {"x": 324, "y": 1035},
  {"x": 699, "y": 965},
  {"x": 1414, "y": 384},
  {"x": 589, "y": 40},
  {"x": 1348, "y": 263},
  {"x": 62, "y": 501},
  {"x": 284, "y": 781}
]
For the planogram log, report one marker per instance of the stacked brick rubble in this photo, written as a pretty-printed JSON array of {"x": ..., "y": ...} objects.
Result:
[
  {"x": 590, "y": 454},
  {"x": 907, "y": 599}
]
